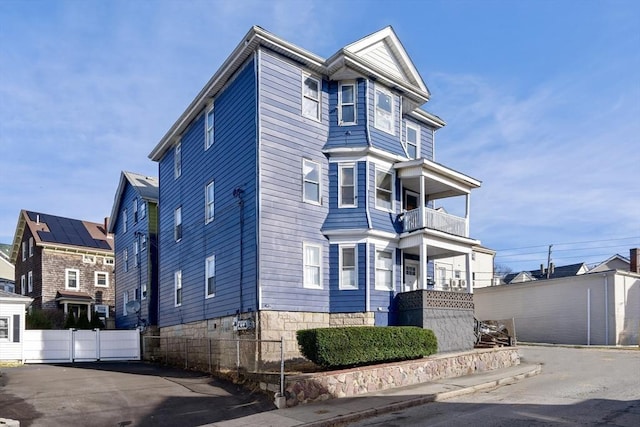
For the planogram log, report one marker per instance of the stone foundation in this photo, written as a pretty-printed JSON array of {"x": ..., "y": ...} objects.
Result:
[{"x": 307, "y": 388}]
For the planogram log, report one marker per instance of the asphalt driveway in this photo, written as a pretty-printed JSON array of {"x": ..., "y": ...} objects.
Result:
[{"x": 120, "y": 394}]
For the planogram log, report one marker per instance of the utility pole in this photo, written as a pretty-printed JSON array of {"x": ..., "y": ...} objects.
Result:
[{"x": 549, "y": 262}]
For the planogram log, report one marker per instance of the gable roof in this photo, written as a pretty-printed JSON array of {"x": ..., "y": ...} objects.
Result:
[
  {"x": 146, "y": 187},
  {"x": 611, "y": 262},
  {"x": 379, "y": 55},
  {"x": 60, "y": 232},
  {"x": 562, "y": 271},
  {"x": 10, "y": 297}
]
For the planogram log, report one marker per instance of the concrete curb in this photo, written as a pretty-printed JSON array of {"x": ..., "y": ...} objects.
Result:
[{"x": 428, "y": 398}]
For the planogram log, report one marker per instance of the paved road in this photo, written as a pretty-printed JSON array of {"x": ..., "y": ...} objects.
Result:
[
  {"x": 586, "y": 387},
  {"x": 120, "y": 394}
]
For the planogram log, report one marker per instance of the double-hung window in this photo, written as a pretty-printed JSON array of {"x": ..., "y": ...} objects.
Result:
[
  {"x": 208, "y": 128},
  {"x": 311, "y": 178},
  {"x": 136, "y": 253},
  {"x": 210, "y": 275},
  {"x": 101, "y": 279},
  {"x": 177, "y": 224},
  {"x": 347, "y": 104},
  {"x": 348, "y": 267},
  {"x": 412, "y": 140},
  {"x": 4, "y": 328},
  {"x": 209, "y": 211},
  {"x": 177, "y": 160},
  {"x": 384, "y": 190},
  {"x": 125, "y": 301},
  {"x": 23, "y": 285},
  {"x": 30, "y": 282},
  {"x": 177, "y": 286},
  {"x": 384, "y": 270},
  {"x": 347, "y": 185},
  {"x": 72, "y": 277},
  {"x": 311, "y": 97},
  {"x": 125, "y": 221},
  {"x": 143, "y": 209},
  {"x": 125, "y": 258},
  {"x": 30, "y": 246},
  {"x": 384, "y": 119},
  {"x": 312, "y": 255},
  {"x": 143, "y": 290},
  {"x": 24, "y": 251},
  {"x": 135, "y": 211}
]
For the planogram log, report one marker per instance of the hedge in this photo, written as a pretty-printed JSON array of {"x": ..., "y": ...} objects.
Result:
[{"x": 363, "y": 345}]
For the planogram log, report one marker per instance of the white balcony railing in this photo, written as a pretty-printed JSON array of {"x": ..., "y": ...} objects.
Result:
[{"x": 435, "y": 220}]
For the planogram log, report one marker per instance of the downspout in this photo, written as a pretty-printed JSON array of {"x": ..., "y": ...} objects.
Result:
[
  {"x": 257, "y": 58},
  {"x": 366, "y": 112},
  {"x": 606, "y": 310},
  {"x": 589, "y": 316}
]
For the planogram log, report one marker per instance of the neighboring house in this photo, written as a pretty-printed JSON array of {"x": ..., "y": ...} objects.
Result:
[
  {"x": 64, "y": 263},
  {"x": 134, "y": 224},
  {"x": 451, "y": 273},
  {"x": 594, "y": 308},
  {"x": 616, "y": 262},
  {"x": 12, "y": 324},
  {"x": 7, "y": 271},
  {"x": 544, "y": 274},
  {"x": 298, "y": 191}
]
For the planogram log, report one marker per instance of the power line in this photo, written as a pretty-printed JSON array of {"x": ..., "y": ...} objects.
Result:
[{"x": 569, "y": 243}]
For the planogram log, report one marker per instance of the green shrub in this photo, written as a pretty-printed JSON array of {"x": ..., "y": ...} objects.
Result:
[
  {"x": 38, "y": 319},
  {"x": 354, "y": 346},
  {"x": 70, "y": 321},
  {"x": 96, "y": 322},
  {"x": 83, "y": 321}
]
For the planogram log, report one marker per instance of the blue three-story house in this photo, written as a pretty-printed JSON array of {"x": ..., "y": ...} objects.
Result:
[{"x": 298, "y": 191}]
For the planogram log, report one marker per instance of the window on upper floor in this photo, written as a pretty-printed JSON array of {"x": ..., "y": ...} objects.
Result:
[
  {"x": 312, "y": 255},
  {"x": 347, "y": 185},
  {"x": 125, "y": 221},
  {"x": 136, "y": 253},
  {"x": 347, "y": 96},
  {"x": 143, "y": 242},
  {"x": 385, "y": 118},
  {"x": 208, "y": 128},
  {"x": 348, "y": 267},
  {"x": 412, "y": 140},
  {"x": 72, "y": 279},
  {"x": 125, "y": 259},
  {"x": 108, "y": 261},
  {"x": 30, "y": 282},
  {"x": 177, "y": 288},
  {"x": 209, "y": 205},
  {"x": 143, "y": 290},
  {"x": 384, "y": 270},
  {"x": 210, "y": 277},
  {"x": 30, "y": 246},
  {"x": 311, "y": 92},
  {"x": 88, "y": 259},
  {"x": 177, "y": 224},
  {"x": 135, "y": 211},
  {"x": 311, "y": 181},
  {"x": 177, "y": 160},
  {"x": 143, "y": 209},
  {"x": 24, "y": 251},
  {"x": 125, "y": 301},
  {"x": 384, "y": 190},
  {"x": 23, "y": 285},
  {"x": 101, "y": 279}
]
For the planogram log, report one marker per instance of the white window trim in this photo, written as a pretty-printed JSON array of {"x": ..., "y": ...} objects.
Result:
[
  {"x": 206, "y": 276},
  {"x": 106, "y": 279},
  {"x": 24, "y": 250},
  {"x": 23, "y": 285},
  {"x": 410, "y": 125},
  {"x": 304, "y": 96},
  {"x": 30, "y": 282},
  {"x": 209, "y": 130},
  {"x": 88, "y": 259},
  {"x": 143, "y": 290},
  {"x": 177, "y": 160},
  {"x": 66, "y": 279},
  {"x": 377, "y": 89},
  {"x": 341, "y": 285},
  {"x": 125, "y": 221},
  {"x": 177, "y": 285},
  {"x": 30, "y": 247},
  {"x": 125, "y": 300},
  {"x": 207, "y": 202},
  {"x": 355, "y": 185},
  {"x": 8, "y": 323},
  {"x": 125, "y": 259},
  {"x": 177, "y": 214},
  {"x": 378, "y": 286},
  {"x": 143, "y": 209},
  {"x": 319, "y": 183},
  {"x": 136, "y": 253},
  {"x": 393, "y": 193},
  {"x": 108, "y": 261},
  {"x": 304, "y": 266},
  {"x": 355, "y": 103}
]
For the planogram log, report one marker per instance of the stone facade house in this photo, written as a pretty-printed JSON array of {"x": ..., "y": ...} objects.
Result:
[{"x": 64, "y": 263}]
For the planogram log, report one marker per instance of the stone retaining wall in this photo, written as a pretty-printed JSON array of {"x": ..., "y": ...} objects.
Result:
[{"x": 307, "y": 388}]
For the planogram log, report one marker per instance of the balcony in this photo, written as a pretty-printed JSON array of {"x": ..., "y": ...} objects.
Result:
[{"x": 417, "y": 219}]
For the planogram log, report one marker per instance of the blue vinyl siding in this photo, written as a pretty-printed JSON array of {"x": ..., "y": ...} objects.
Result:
[
  {"x": 347, "y": 218},
  {"x": 286, "y": 222},
  {"x": 230, "y": 162},
  {"x": 426, "y": 142},
  {"x": 348, "y": 135},
  {"x": 347, "y": 300}
]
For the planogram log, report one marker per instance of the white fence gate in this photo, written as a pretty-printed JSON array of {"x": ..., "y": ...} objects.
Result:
[{"x": 57, "y": 346}]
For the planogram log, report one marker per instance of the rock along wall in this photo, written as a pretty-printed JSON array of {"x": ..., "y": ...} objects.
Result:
[{"x": 307, "y": 388}]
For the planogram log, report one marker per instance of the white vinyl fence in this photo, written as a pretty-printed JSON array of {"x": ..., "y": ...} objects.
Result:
[{"x": 57, "y": 346}]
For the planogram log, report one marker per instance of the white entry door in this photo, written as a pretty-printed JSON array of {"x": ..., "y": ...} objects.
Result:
[{"x": 411, "y": 271}]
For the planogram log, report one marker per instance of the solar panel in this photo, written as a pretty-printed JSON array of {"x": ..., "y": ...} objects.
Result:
[{"x": 66, "y": 231}]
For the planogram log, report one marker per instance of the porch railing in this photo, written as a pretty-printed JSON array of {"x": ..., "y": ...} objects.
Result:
[{"x": 435, "y": 220}]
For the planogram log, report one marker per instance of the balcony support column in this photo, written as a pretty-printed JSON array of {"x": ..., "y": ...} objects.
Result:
[
  {"x": 466, "y": 215},
  {"x": 421, "y": 205},
  {"x": 469, "y": 264},
  {"x": 423, "y": 265}
]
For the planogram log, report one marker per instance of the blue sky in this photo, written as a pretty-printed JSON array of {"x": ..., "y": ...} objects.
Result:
[{"x": 541, "y": 100}]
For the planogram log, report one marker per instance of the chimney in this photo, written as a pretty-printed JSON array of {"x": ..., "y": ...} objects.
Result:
[
  {"x": 106, "y": 225},
  {"x": 542, "y": 269},
  {"x": 634, "y": 256}
]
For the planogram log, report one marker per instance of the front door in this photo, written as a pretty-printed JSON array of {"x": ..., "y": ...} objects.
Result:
[{"x": 411, "y": 270}]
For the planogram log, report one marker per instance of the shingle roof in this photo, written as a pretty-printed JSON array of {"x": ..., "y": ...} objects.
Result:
[
  {"x": 146, "y": 186},
  {"x": 562, "y": 271}
]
